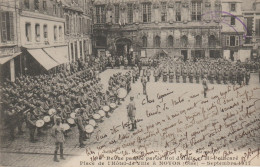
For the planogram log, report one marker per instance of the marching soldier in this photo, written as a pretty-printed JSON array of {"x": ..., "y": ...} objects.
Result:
[
  {"x": 131, "y": 109},
  {"x": 155, "y": 74},
  {"x": 171, "y": 75},
  {"x": 225, "y": 77},
  {"x": 31, "y": 124},
  {"x": 165, "y": 74},
  {"x": 148, "y": 73},
  {"x": 125, "y": 62},
  {"x": 113, "y": 61},
  {"x": 205, "y": 86},
  {"x": 247, "y": 76},
  {"x": 184, "y": 74},
  {"x": 57, "y": 133},
  {"x": 191, "y": 73},
  {"x": 178, "y": 74},
  {"x": 144, "y": 82},
  {"x": 11, "y": 121}
]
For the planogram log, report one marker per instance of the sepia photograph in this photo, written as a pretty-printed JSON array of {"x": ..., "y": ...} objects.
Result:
[{"x": 120, "y": 83}]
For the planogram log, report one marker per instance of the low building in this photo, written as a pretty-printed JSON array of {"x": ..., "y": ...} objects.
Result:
[
  {"x": 9, "y": 49},
  {"x": 41, "y": 25}
]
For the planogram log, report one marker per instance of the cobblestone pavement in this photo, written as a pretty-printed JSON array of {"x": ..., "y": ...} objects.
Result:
[{"x": 22, "y": 153}]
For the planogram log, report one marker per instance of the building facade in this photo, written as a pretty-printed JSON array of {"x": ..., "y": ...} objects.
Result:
[
  {"x": 41, "y": 25},
  {"x": 9, "y": 40},
  {"x": 251, "y": 15},
  {"x": 233, "y": 31},
  {"x": 78, "y": 28},
  {"x": 148, "y": 28}
]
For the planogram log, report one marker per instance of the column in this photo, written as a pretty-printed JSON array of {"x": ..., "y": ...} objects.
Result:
[{"x": 12, "y": 70}]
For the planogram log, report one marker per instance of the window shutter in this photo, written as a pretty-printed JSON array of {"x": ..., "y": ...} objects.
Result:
[
  {"x": 11, "y": 26},
  {"x": 1, "y": 27},
  {"x": 257, "y": 29},
  {"x": 4, "y": 35},
  {"x": 227, "y": 40}
]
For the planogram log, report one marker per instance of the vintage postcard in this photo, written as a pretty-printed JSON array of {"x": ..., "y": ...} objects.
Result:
[{"x": 129, "y": 83}]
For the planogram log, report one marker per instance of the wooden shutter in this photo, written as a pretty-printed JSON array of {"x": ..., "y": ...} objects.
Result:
[
  {"x": 11, "y": 21},
  {"x": 257, "y": 27},
  {"x": 4, "y": 33}
]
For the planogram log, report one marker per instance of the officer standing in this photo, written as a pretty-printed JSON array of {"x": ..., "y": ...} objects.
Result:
[
  {"x": 11, "y": 121},
  {"x": 131, "y": 110},
  {"x": 79, "y": 123},
  {"x": 155, "y": 74},
  {"x": 148, "y": 73},
  {"x": 57, "y": 133},
  {"x": 205, "y": 86},
  {"x": 178, "y": 73},
  {"x": 247, "y": 76},
  {"x": 31, "y": 124},
  {"x": 184, "y": 74},
  {"x": 144, "y": 81}
]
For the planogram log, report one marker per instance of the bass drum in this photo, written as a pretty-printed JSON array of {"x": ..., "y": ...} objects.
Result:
[
  {"x": 52, "y": 111},
  {"x": 92, "y": 122},
  {"x": 71, "y": 121},
  {"x": 39, "y": 123},
  {"x": 46, "y": 119},
  {"x": 106, "y": 108},
  {"x": 73, "y": 115},
  {"x": 101, "y": 113},
  {"x": 113, "y": 105},
  {"x": 89, "y": 129},
  {"x": 96, "y": 117},
  {"x": 121, "y": 93},
  {"x": 65, "y": 126}
]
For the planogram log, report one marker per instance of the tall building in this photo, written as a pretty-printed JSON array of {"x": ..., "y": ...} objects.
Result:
[
  {"x": 251, "y": 12},
  {"x": 148, "y": 28},
  {"x": 78, "y": 28},
  {"x": 9, "y": 40},
  {"x": 41, "y": 25},
  {"x": 233, "y": 30}
]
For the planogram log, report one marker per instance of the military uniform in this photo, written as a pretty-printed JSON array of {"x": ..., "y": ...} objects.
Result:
[
  {"x": 144, "y": 85},
  {"x": 191, "y": 73},
  {"x": 171, "y": 75},
  {"x": 79, "y": 123},
  {"x": 57, "y": 133},
  {"x": 31, "y": 120},
  {"x": 148, "y": 73},
  {"x": 178, "y": 74},
  {"x": 247, "y": 77},
  {"x": 11, "y": 121},
  {"x": 165, "y": 74},
  {"x": 184, "y": 75}
]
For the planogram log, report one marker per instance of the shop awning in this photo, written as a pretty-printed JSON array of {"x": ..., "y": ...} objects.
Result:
[
  {"x": 4, "y": 59},
  {"x": 164, "y": 51},
  {"x": 59, "y": 54},
  {"x": 46, "y": 61}
]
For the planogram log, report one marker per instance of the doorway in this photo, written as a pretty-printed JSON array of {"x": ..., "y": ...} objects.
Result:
[
  {"x": 184, "y": 53},
  {"x": 123, "y": 46}
]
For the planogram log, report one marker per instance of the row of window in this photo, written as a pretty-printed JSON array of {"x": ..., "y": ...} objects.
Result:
[
  {"x": 77, "y": 25},
  {"x": 196, "y": 12},
  {"x": 56, "y": 35},
  {"x": 56, "y": 10},
  {"x": 184, "y": 41}
]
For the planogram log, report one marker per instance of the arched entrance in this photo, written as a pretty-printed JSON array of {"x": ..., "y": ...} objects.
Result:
[{"x": 123, "y": 46}]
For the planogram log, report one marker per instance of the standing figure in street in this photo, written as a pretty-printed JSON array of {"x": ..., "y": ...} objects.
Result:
[
  {"x": 31, "y": 124},
  {"x": 79, "y": 123},
  {"x": 11, "y": 121},
  {"x": 205, "y": 86},
  {"x": 144, "y": 81},
  {"x": 131, "y": 113},
  {"x": 148, "y": 73},
  {"x": 57, "y": 133}
]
